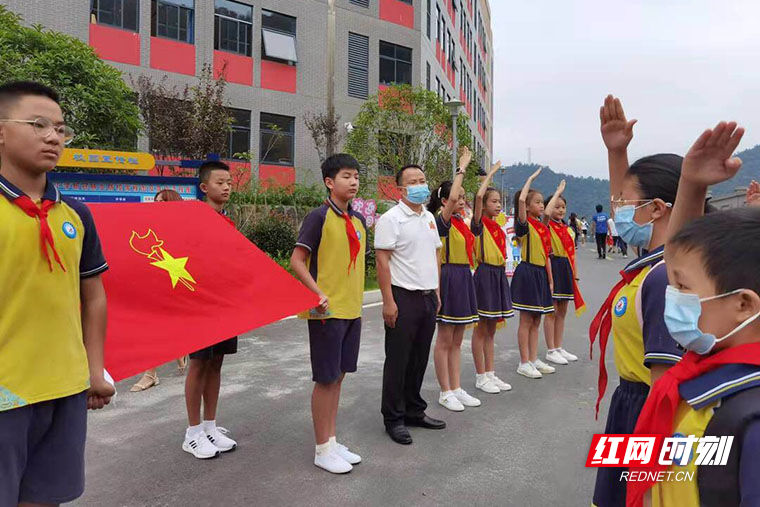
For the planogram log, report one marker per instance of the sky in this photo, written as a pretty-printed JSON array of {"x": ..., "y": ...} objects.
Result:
[{"x": 679, "y": 67}]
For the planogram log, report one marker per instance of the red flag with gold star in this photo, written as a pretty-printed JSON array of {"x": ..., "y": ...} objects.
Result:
[{"x": 181, "y": 279}]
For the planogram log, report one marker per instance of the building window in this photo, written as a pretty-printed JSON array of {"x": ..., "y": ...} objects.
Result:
[
  {"x": 119, "y": 13},
  {"x": 428, "y": 16},
  {"x": 173, "y": 19},
  {"x": 239, "y": 139},
  {"x": 437, "y": 86},
  {"x": 358, "y": 66},
  {"x": 360, "y": 3},
  {"x": 278, "y": 35},
  {"x": 410, "y": 2},
  {"x": 277, "y": 139},
  {"x": 395, "y": 64},
  {"x": 427, "y": 75},
  {"x": 233, "y": 26},
  {"x": 438, "y": 21}
]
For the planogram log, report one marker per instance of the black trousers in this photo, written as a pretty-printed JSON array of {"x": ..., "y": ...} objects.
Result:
[
  {"x": 407, "y": 350},
  {"x": 622, "y": 245},
  {"x": 601, "y": 239}
]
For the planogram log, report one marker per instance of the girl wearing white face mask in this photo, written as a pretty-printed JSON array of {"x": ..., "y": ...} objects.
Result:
[{"x": 642, "y": 198}]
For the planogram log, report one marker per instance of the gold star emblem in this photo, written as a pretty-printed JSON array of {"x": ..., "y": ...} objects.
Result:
[{"x": 175, "y": 266}]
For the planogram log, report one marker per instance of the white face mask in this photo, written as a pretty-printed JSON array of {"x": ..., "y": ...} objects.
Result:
[{"x": 682, "y": 313}]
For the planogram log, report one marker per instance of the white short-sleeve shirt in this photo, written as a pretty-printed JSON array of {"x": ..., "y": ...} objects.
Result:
[{"x": 413, "y": 239}]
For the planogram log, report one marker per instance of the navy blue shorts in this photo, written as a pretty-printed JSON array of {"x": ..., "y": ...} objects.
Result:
[
  {"x": 625, "y": 407},
  {"x": 42, "y": 451},
  {"x": 334, "y": 345},
  {"x": 228, "y": 346}
]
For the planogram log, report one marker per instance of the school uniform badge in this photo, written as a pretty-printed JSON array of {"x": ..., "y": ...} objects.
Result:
[{"x": 621, "y": 306}]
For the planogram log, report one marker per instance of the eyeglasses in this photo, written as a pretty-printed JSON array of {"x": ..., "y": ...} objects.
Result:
[{"x": 43, "y": 127}]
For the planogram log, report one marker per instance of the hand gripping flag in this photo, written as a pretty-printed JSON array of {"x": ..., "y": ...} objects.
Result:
[{"x": 181, "y": 279}]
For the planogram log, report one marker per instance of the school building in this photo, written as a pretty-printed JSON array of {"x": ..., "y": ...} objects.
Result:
[{"x": 276, "y": 57}]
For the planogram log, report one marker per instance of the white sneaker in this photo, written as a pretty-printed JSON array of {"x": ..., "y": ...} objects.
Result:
[
  {"x": 555, "y": 356},
  {"x": 342, "y": 451},
  {"x": 466, "y": 399},
  {"x": 220, "y": 439},
  {"x": 567, "y": 355},
  {"x": 332, "y": 462},
  {"x": 200, "y": 446},
  {"x": 486, "y": 385},
  {"x": 498, "y": 382},
  {"x": 543, "y": 367},
  {"x": 451, "y": 402},
  {"x": 528, "y": 370}
]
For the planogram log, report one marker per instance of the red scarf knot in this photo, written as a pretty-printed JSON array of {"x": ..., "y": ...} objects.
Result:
[
  {"x": 469, "y": 237},
  {"x": 497, "y": 233},
  {"x": 46, "y": 235}
]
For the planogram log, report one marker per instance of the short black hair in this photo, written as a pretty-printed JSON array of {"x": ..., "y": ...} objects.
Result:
[
  {"x": 334, "y": 163},
  {"x": 728, "y": 242},
  {"x": 400, "y": 172},
  {"x": 11, "y": 92},
  {"x": 439, "y": 194},
  {"x": 206, "y": 168},
  {"x": 599, "y": 208}
]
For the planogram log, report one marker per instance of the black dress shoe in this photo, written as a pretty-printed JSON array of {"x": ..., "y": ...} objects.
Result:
[
  {"x": 399, "y": 434},
  {"x": 426, "y": 422}
]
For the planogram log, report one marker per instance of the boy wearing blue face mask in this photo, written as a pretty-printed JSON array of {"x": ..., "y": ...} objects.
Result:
[{"x": 712, "y": 309}]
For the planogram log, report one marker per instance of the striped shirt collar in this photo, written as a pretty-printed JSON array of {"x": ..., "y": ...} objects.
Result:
[
  {"x": 336, "y": 208},
  {"x": 648, "y": 259},
  {"x": 12, "y": 192},
  {"x": 719, "y": 383}
]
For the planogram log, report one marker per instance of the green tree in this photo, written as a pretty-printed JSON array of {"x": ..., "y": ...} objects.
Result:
[
  {"x": 191, "y": 121},
  {"x": 404, "y": 125},
  {"x": 97, "y": 103}
]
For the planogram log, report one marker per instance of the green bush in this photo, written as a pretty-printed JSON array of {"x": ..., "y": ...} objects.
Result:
[
  {"x": 274, "y": 234},
  {"x": 308, "y": 196}
]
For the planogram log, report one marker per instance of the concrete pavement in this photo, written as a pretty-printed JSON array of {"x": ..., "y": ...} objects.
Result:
[{"x": 526, "y": 447}]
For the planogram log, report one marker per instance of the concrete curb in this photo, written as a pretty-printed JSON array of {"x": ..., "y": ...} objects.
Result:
[{"x": 372, "y": 296}]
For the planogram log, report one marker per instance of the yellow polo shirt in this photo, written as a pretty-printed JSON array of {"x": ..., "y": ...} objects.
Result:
[
  {"x": 42, "y": 355},
  {"x": 323, "y": 234}
]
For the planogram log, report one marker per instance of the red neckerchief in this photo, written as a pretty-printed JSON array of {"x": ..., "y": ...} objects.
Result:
[
  {"x": 601, "y": 325},
  {"x": 657, "y": 416},
  {"x": 543, "y": 234},
  {"x": 354, "y": 244},
  {"x": 46, "y": 235},
  {"x": 569, "y": 245},
  {"x": 469, "y": 237},
  {"x": 497, "y": 233}
]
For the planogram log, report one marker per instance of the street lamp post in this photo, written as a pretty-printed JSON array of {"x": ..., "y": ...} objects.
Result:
[{"x": 453, "y": 107}]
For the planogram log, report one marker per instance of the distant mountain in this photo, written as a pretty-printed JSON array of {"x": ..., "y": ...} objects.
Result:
[
  {"x": 750, "y": 170},
  {"x": 582, "y": 194}
]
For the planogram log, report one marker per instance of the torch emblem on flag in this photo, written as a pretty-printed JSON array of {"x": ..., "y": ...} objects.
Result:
[{"x": 150, "y": 246}]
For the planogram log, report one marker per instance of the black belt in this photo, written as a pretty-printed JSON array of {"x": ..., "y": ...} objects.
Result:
[{"x": 424, "y": 292}]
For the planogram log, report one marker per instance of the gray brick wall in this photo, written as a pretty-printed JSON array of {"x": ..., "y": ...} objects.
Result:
[{"x": 72, "y": 17}]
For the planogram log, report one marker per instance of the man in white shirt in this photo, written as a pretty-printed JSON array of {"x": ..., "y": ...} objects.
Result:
[
  {"x": 406, "y": 244},
  {"x": 613, "y": 234}
]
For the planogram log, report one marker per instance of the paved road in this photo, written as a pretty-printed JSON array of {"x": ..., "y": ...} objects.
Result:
[{"x": 526, "y": 447}]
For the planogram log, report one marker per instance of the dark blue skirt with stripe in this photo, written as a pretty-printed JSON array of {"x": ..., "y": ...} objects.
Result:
[
  {"x": 530, "y": 289},
  {"x": 458, "y": 302},
  {"x": 562, "y": 274},
  {"x": 625, "y": 407},
  {"x": 492, "y": 292}
]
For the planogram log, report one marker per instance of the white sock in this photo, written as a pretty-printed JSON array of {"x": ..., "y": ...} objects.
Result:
[
  {"x": 209, "y": 426},
  {"x": 490, "y": 374},
  {"x": 333, "y": 441},
  {"x": 322, "y": 449},
  {"x": 193, "y": 431},
  {"x": 445, "y": 394},
  {"x": 481, "y": 376}
]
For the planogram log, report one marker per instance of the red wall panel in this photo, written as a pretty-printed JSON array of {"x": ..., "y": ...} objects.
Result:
[
  {"x": 115, "y": 44},
  {"x": 172, "y": 56},
  {"x": 276, "y": 175},
  {"x": 239, "y": 68},
  {"x": 397, "y": 12},
  {"x": 278, "y": 76}
]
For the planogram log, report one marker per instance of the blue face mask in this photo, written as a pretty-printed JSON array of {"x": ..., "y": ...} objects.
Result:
[
  {"x": 629, "y": 231},
  {"x": 417, "y": 194},
  {"x": 682, "y": 313}
]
